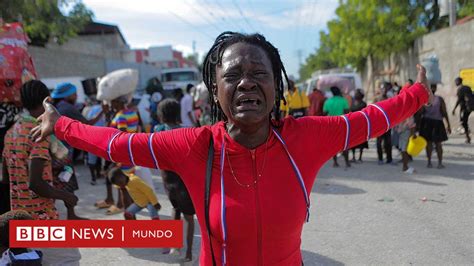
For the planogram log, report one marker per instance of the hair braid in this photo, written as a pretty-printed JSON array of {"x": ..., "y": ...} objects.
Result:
[
  {"x": 214, "y": 59},
  {"x": 33, "y": 93}
]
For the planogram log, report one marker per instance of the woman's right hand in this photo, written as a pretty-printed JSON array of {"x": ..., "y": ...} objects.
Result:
[
  {"x": 47, "y": 121},
  {"x": 421, "y": 78}
]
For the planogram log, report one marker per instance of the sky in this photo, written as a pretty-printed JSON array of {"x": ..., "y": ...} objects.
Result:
[{"x": 291, "y": 25}]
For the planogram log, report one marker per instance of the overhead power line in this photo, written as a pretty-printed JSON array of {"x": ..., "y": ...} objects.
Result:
[
  {"x": 204, "y": 17},
  {"x": 312, "y": 36},
  {"x": 216, "y": 18},
  {"x": 192, "y": 26},
  {"x": 298, "y": 26},
  {"x": 278, "y": 11},
  {"x": 228, "y": 20},
  {"x": 243, "y": 16}
]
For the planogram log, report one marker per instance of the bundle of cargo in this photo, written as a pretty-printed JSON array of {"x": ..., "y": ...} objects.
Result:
[
  {"x": 118, "y": 83},
  {"x": 16, "y": 65},
  {"x": 433, "y": 72},
  {"x": 344, "y": 84}
]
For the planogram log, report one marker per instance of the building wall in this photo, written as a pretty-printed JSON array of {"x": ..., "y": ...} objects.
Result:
[
  {"x": 160, "y": 53},
  {"x": 53, "y": 63},
  {"x": 77, "y": 45},
  {"x": 109, "y": 46},
  {"x": 113, "y": 45},
  {"x": 454, "y": 48},
  {"x": 160, "y": 56},
  {"x": 130, "y": 56}
]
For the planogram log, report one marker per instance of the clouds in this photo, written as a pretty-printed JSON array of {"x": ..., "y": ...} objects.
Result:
[
  {"x": 147, "y": 23},
  {"x": 208, "y": 16},
  {"x": 307, "y": 14}
]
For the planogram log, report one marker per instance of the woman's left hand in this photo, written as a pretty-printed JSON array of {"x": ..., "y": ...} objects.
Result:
[{"x": 421, "y": 78}]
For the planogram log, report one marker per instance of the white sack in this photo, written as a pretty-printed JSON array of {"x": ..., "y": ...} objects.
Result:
[{"x": 117, "y": 83}]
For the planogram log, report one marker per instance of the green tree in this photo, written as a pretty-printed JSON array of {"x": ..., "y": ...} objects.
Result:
[
  {"x": 374, "y": 29},
  {"x": 369, "y": 28},
  {"x": 44, "y": 20},
  {"x": 466, "y": 8}
]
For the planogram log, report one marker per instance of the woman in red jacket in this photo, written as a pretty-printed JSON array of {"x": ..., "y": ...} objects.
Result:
[{"x": 257, "y": 159}]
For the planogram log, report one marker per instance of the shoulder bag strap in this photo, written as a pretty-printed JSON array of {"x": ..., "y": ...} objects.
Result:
[{"x": 210, "y": 158}]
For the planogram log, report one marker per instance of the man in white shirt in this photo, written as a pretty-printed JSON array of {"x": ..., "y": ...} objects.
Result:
[{"x": 187, "y": 110}]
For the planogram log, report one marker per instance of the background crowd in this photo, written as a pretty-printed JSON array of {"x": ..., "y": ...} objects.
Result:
[{"x": 35, "y": 175}]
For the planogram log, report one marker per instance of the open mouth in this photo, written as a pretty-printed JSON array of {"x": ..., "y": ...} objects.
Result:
[{"x": 248, "y": 104}]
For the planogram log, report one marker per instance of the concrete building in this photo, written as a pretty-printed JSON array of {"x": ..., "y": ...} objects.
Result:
[
  {"x": 97, "y": 50},
  {"x": 454, "y": 49},
  {"x": 162, "y": 57},
  {"x": 99, "y": 39}
]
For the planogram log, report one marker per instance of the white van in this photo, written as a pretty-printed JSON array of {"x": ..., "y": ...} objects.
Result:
[
  {"x": 174, "y": 78},
  {"x": 353, "y": 77}
]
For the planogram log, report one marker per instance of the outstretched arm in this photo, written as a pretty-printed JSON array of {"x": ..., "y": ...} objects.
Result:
[
  {"x": 163, "y": 150},
  {"x": 343, "y": 132}
]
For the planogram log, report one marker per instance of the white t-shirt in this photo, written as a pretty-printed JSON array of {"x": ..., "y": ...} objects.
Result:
[{"x": 186, "y": 107}]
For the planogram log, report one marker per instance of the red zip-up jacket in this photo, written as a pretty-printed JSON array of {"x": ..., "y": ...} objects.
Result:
[{"x": 265, "y": 221}]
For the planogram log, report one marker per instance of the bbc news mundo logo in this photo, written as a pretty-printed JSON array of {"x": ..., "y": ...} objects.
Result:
[
  {"x": 40, "y": 233},
  {"x": 63, "y": 234}
]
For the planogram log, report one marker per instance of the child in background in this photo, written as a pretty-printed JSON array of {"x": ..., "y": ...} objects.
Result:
[
  {"x": 406, "y": 129},
  {"x": 94, "y": 162},
  {"x": 170, "y": 114},
  {"x": 357, "y": 105},
  {"x": 140, "y": 192},
  {"x": 125, "y": 119},
  {"x": 16, "y": 256}
]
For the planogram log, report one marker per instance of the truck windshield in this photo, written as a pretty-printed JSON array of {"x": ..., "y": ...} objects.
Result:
[{"x": 179, "y": 76}]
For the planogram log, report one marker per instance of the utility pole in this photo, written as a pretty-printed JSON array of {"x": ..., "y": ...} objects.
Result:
[
  {"x": 452, "y": 13},
  {"x": 299, "y": 53}
]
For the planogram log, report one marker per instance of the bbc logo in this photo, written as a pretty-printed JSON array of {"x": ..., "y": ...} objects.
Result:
[{"x": 41, "y": 233}]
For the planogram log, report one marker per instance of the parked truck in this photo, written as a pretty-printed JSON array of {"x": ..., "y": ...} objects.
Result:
[{"x": 174, "y": 78}]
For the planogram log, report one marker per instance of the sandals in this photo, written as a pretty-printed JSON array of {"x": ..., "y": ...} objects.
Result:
[
  {"x": 102, "y": 204},
  {"x": 113, "y": 210}
]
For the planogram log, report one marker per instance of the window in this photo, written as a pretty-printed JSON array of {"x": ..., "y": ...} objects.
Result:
[{"x": 179, "y": 76}]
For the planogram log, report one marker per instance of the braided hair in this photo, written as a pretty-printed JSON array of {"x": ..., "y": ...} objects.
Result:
[
  {"x": 214, "y": 59},
  {"x": 33, "y": 93}
]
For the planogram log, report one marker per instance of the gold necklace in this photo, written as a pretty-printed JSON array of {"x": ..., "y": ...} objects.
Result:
[{"x": 254, "y": 183}]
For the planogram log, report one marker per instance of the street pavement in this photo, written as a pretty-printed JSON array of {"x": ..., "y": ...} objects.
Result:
[{"x": 368, "y": 214}]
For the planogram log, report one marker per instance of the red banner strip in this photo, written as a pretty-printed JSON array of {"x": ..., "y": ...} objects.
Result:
[{"x": 97, "y": 234}]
